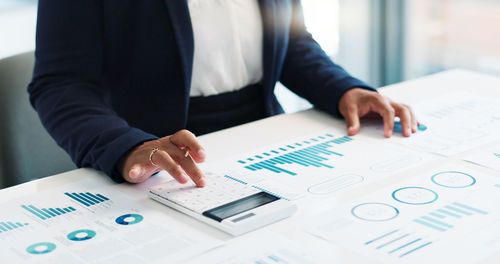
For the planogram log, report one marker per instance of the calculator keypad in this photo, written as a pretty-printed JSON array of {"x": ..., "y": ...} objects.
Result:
[{"x": 218, "y": 190}]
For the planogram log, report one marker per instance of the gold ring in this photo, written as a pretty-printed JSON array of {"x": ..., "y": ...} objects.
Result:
[{"x": 151, "y": 156}]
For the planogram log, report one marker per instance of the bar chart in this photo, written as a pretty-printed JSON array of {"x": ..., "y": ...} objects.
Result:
[
  {"x": 398, "y": 243},
  {"x": 438, "y": 219},
  {"x": 47, "y": 213},
  {"x": 9, "y": 226},
  {"x": 87, "y": 199},
  {"x": 307, "y": 153}
]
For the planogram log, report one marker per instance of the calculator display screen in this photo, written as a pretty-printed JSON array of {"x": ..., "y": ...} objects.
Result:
[{"x": 239, "y": 206}]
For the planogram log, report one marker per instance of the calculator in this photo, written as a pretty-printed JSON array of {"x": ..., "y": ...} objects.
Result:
[{"x": 226, "y": 203}]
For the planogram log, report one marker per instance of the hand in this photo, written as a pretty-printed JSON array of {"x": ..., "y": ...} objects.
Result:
[
  {"x": 136, "y": 166},
  {"x": 358, "y": 102}
]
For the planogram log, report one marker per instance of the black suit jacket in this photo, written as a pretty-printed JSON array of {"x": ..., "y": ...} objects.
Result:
[{"x": 111, "y": 74}]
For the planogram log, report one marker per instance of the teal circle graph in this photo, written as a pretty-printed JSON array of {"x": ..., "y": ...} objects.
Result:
[
  {"x": 81, "y": 235},
  {"x": 129, "y": 219},
  {"x": 375, "y": 212},
  {"x": 41, "y": 248},
  {"x": 453, "y": 179},
  {"x": 414, "y": 195}
]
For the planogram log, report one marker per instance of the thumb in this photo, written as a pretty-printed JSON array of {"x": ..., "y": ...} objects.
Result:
[
  {"x": 352, "y": 121},
  {"x": 135, "y": 174}
]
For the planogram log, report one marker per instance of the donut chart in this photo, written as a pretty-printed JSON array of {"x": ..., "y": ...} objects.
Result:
[
  {"x": 375, "y": 212},
  {"x": 81, "y": 235},
  {"x": 453, "y": 179},
  {"x": 129, "y": 219},
  {"x": 414, "y": 195},
  {"x": 41, "y": 248}
]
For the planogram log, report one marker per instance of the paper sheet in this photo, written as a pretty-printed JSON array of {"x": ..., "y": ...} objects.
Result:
[
  {"x": 270, "y": 249},
  {"x": 87, "y": 223},
  {"x": 488, "y": 157},
  {"x": 455, "y": 123},
  {"x": 448, "y": 214},
  {"x": 319, "y": 165}
]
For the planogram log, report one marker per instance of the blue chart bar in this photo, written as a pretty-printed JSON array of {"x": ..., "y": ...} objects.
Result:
[
  {"x": 270, "y": 259},
  {"x": 427, "y": 224},
  {"x": 46, "y": 213},
  {"x": 88, "y": 199},
  {"x": 415, "y": 249},
  {"x": 404, "y": 245},
  {"x": 7, "y": 226},
  {"x": 470, "y": 208},
  {"x": 380, "y": 237},
  {"x": 308, "y": 153},
  {"x": 392, "y": 241}
]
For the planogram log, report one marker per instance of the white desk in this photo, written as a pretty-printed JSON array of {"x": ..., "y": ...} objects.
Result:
[{"x": 265, "y": 132}]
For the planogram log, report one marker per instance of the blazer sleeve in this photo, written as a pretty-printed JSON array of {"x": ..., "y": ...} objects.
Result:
[
  {"x": 310, "y": 73},
  {"x": 67, "y": 90}
]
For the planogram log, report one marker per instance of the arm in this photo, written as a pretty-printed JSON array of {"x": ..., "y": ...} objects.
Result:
[
  {"x": 310, "y": 73},
  {"x": 67, "y": 90}
]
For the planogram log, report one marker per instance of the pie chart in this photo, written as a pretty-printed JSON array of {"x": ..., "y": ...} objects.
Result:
[
  {"x": 129, "y": 219},
  {"x": 41, "y": 248}
]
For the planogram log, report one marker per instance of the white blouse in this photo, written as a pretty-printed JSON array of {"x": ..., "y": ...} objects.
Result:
[{"x": 228, "y": 39}]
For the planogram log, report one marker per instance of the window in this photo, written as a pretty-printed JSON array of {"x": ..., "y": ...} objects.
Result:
[
  {"x": 322, "y": 21},
  {"x": 17, "y": 26},
  {"x": 440, "y": 35}
]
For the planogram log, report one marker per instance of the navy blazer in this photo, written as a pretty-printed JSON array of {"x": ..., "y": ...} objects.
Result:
[{"x": 111, "y": 74}]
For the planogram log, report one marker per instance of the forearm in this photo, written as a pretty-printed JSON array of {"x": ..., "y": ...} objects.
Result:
[
  {"x": 83, "y": 125},
  {"x": 67, "y": 88}
]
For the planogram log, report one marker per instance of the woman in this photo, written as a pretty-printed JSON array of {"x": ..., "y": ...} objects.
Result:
[{"x": 120, "y": 83}]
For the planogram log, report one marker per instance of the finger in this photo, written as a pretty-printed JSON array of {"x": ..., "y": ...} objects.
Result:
[
  {"x": 414, "y": 121},
  {"x": 385, "y": 110},
  {"x": 135, "y": 174},
  {"x": 189, "y": 167},
  {"x": 183, "y": 139},
  {"x": 405, "y": 119},
  {"x": 165, "y": 161},
  {"x": 352, "y": 121}
]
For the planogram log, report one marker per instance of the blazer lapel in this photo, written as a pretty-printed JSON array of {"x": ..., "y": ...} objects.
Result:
[{"x": 183, "y": 30}]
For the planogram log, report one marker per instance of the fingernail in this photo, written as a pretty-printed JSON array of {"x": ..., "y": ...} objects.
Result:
[
  {"x": 135, "y": 173},
  {"x": 201, "y": 153},
  {"x": 201, "y": 182}
]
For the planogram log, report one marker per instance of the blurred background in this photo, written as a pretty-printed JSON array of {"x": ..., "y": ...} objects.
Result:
[{"x": 379, "y": 41}]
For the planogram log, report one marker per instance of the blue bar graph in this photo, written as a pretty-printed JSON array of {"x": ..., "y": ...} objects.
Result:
[
  {"x": 8, "y": 226},
  {"x": 308, "y": 153},
  {"x": 437, "y": 220},
  {"x": 404, "y": 245},
  {"x": 47, "y": 213},
  {"x": 400, "y": 243},
  {"x": 89, "y": 199}
]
